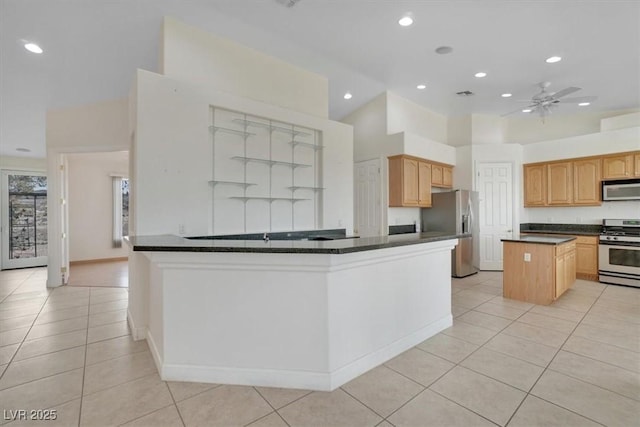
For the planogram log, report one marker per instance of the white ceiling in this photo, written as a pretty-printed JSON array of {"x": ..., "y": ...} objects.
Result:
[{"x": 93, "y": 47}]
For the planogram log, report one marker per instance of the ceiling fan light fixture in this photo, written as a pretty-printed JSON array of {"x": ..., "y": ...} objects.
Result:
[
  {"x": 406, "y": 20},
  {"x": 506, "y": 95},
  {"x": 481, "y": 74},
  {"x": 33, "y": 48},
  {"x": 584, "y": 104},
  {"x": 553, "y": 59},
  {"x": 421, "y": 86},
  {"x": 527, "y": 110}
]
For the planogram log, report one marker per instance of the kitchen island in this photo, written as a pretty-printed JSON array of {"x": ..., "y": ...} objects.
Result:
[
  {"x": 281, "y": 313},
  {"x": 538, "y": 269}
]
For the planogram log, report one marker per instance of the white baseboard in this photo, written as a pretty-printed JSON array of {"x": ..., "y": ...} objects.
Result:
[
  {"x": 136, "y": 333},
  {"x": 322, "y": 381}
]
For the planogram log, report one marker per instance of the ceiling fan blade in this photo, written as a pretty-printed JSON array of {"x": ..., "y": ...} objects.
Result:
[
  {"x": 578, "y": 99},
  {"x": 565, "y": 92}
]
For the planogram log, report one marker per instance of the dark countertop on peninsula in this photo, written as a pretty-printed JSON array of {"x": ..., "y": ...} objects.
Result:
[
  {"x": 572, "y": 229},
  {"x": 543, "y": 240},
  {"x": 172, "y": 243}
]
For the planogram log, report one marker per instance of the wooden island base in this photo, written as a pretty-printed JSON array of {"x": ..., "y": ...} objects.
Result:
[{"x": 538, "y": 269}]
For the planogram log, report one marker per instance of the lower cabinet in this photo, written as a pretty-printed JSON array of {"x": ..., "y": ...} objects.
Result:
[
  {"x": 538, "y": 273},
  {"x": 586, "y": 257}
]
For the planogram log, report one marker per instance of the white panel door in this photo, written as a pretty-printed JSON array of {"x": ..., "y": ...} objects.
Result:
[
  {"x": 367, "y": 192},
  {"x": 495, "y": 188}
]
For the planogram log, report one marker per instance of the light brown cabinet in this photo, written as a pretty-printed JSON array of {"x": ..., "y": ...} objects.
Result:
[
  {"x": 587, "y": 257},
  {"x": 571, "y": 182},
  {"x": 636, "y": 162},
  {"x": 618, "y": 166},
  {"x": 548, "y": 273},
  {"x": 441, "y": 175},
  {"x": 409, "y": 182},
  {"x": 535, "y": 185},
  {"x": 586, "y": 188},
  {"x": 560, "y": 183}
]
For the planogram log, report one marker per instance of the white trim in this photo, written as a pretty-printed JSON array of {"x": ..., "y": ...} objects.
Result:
[{"x": 137, "y": 334}]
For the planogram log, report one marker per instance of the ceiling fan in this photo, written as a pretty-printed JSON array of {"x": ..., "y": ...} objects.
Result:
[{"x": 543, "y": 102}]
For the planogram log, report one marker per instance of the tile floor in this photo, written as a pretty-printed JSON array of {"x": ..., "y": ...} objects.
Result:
[
  {"x": 503, "y": 362},
  {"x": 114, "y": 273}
]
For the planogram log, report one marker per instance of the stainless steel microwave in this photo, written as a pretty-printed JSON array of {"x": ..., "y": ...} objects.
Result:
[{"x": 621, "y": 189}]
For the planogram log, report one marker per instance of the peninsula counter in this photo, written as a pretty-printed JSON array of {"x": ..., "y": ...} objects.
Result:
[{"x": 296, "y": 314}]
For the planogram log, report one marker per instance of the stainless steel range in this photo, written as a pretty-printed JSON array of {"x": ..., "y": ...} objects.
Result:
[{"x": 619, "y": 252}]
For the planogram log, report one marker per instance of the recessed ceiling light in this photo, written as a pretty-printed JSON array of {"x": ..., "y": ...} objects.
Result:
[
  {"x": 443, "y": 50},
  {"x": 32, "y": 47},
  {"x": 506, "y": 95},
  {"x": 421, "y": 87},
  {"x": 553, "y": 59},
  {"x": 23, "y": 150},
  {"x": 348, "y": 95},
  {"x": 406, "y": 20},
  {"x": 584, "y": 104},
  {"x": 527, "y": 110},
  {"x": 480, "y": 74}
]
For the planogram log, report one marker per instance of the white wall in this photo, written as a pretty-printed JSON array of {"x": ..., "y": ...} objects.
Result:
[
  {"x": 487, "y": 129},
  {"x": 369, "y": 128},
  {"x": 90, "y": 203},
  {"x": 620, "y": 122},
  {"x": 459, "y": 131},
  {"x": 173, "y": 155},
  {"x": 407, "y": 116},
  {"x": 215, "y": 63},
  {"x": 532, "y": 129}
]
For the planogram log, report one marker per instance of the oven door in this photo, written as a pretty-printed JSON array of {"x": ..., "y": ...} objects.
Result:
[{"x": 619, "y": 263}]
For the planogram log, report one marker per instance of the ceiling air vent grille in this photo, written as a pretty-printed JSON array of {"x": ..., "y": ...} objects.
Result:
[{"x": 464, "y": 93}]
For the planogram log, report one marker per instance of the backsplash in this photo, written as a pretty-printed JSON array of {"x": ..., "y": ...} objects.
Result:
[{"x": 581, "y": 215}]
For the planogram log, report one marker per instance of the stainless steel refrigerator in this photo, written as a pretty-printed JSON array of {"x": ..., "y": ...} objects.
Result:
[{"x": 456, "y": 212}]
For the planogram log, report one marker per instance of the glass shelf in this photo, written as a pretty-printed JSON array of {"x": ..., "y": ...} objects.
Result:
[
  {"x": 270, "y": 162},
  {"x": 231, "y": 131},
  {"x": 298, "y": 187},
  {"x": 241, "y": 184},
  {"x": 269, "y": 199},
  {"x": 307, "y": 144},
  {"x": 271, "y": 127}
]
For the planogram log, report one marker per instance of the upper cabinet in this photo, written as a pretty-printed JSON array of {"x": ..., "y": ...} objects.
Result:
[
  {"x": 560, "y": 183},
  {"x": 441, "y": 175},
  {"x": 409, "y": 182},
  {"x": 535, "y": 185},
  {"x": 618, "y": 166},
  {"x": 586, "y": 189},
  {"x": 636, "y": 162},
  {"x": 572, "y": 182}
]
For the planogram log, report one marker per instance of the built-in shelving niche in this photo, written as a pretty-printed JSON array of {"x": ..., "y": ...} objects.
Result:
[{"x": 266, "y": 175}]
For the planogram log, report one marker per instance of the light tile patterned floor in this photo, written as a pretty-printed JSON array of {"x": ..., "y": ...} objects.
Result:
[{"x": 504, "y": 362}]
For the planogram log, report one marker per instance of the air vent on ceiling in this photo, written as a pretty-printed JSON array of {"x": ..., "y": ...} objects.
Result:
[
  {"x": 465, "y": 93},
  {"x": 288, "y": 3}
]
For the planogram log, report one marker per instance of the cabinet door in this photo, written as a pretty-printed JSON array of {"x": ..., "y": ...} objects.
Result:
[
  {"x": 569, "y": 269},
  {"x": 410, "y": 182},
  {"x": 586, "y": 184},
  {"x": 447, "y": 176},
  {"x": 636, "y": 162},
  {"x": 436, "y": 175},
  {"x": 560, "y": 183},
  {"x": 424, "y": 184},
  {"x": 617, "y": 167},
  {"x": 535, "y": 185}
]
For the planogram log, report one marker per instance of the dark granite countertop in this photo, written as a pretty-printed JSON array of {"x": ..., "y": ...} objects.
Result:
[
  {"x": 543, "y": 240},
  {"x": 572, "y": 229},
  {"x": 172, "y": 243}
]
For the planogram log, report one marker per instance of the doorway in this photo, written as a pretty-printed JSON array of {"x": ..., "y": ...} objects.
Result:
[
  {"x": 24, "y": 219},
  {"x": 367, "y": 198},
  {"x": 495, "y": 188}
]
